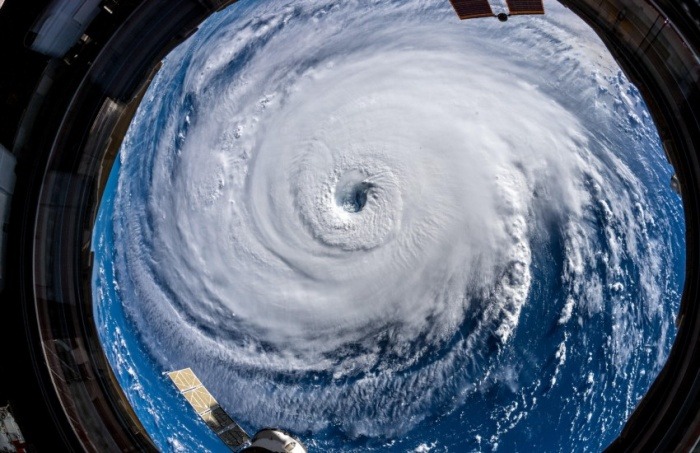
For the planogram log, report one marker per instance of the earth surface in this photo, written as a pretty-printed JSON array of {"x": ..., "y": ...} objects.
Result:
[{"x": 385, "y": 229}]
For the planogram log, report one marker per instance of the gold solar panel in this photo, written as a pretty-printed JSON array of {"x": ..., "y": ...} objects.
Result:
[
  {"x": 184, "y": 379},
  {"x": 200, "y": 399},
  {"x": 208, "y": 408}
]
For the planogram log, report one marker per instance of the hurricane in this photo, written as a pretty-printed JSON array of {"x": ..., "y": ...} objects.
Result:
[{"x": 383, "y": 228}]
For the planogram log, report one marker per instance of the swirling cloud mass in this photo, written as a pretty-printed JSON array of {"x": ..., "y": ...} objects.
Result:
[{"x": 360, "y": 219}]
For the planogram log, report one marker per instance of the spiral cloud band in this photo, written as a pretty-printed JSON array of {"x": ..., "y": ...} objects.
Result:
[{"x": 339, "y": 213}]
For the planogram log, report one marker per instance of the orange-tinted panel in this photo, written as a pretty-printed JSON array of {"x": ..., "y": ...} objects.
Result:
[
  {"x": 516, "y": 7},
  {"x": 469, "y": 9}
]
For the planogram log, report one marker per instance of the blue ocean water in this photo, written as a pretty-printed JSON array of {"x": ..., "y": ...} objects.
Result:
[
  {"x": 556, "y": 385},
  {"x": 167, "y": 417}
]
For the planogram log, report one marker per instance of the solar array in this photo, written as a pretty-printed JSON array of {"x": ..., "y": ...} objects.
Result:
[
  {"x": 208, "y": 409},
  {"x": 469, "y": 9},
  {"x": 516, "y": 7}
]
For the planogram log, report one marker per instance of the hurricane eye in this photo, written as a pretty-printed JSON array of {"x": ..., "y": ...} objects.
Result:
[{"x": 354, "y": 198}]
